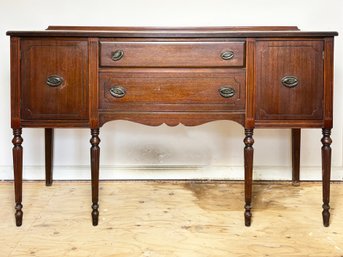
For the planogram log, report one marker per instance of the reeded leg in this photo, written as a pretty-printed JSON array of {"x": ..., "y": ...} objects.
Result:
[
  {"x": 296, "y": 138},
  {"x": 49, "y": 151},
  {"x": 326, "y": 170},
  {"x": 95, "y": 155},
  {"x": 18, "y": 174},
  {"x": 248, "y": 168}
]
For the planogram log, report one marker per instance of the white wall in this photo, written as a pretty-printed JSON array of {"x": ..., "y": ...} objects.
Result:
[{"x": 213, "y": 150}]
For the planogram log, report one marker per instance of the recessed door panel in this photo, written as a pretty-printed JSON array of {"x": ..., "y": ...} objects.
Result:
[
  {"x": 54, "y": 79},
  {"x": 289, "y": 80}
]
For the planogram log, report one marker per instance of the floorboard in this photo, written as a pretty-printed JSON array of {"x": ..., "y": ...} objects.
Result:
[{"x": 153, "y": 219}]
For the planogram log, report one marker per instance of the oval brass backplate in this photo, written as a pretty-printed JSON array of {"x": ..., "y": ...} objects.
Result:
[
  {"x": 117, "y": 55},
  {"x": 227, "y": 92},
  {"x": 54, "y": 81},
  {"x": 227, "y": 55},
  {"x": 290, "y": 81},
  {"x": 117, "y": 91}
]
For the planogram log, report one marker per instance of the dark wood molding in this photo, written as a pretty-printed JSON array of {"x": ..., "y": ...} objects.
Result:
[
  {"x": 328, "y": 82},
  {"x": 15, "y": 82},
  {"x": 93, "y": 66},
  {"x": 146, "y": 32},
  {"x": 250, "y": 83},
  {"x": 158, "y": 29}
]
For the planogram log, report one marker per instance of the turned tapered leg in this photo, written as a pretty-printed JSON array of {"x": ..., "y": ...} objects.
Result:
[
  {"x": 296, "y": 138},
  {"x": 326, "y": 170},
  {"x": 18, "y": 174},
  {"x": 49, "y": 151},
  {"x": 248, "y": 167},
  {"x": 95, "y": 155}
]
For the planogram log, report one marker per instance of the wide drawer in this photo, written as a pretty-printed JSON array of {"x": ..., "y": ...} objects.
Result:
[
  {"x": 173, "y": 90},
  {"x": 172, "y": 54}
]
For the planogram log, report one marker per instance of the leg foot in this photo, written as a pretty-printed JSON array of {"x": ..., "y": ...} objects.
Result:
[
  {"x": 326, "y": 170},
  {"x": 248, "y": 168},
  {"x": 247, "y": 215},
  {"x": 296, "y": 138},
  {"x": 17, "y": 152},
  {"x": 49, "y": 145},
  {"x": 18, "y": 214},
  {"x": 95, "y": 214},
  {"x": 95, "y": 156},
  {"x": 326, "y": 215}
]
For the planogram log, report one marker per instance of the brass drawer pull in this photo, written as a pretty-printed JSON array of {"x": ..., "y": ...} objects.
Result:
[
  {"x": 227, "y": 92},
  {"x": 289, "y": 81},
  {"x": 117, "y": 91},
  {"x": 54, "y": 81},
  {"x": 117, "y": 55},
  {"x": 227, "y": 55}
]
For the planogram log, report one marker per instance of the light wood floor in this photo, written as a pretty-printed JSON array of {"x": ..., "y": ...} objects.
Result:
[{"x": 153, "y": 219}]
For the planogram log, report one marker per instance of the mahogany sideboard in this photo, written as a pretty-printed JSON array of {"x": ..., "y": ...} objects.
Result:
[{"x": 259, "y": 77}]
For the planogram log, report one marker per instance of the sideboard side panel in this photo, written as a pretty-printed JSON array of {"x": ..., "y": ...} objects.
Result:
[
  {"x": 250, "y": 83},
  {"x": 328, "y": 81},
  {"x": 93, "y": 64},
  {"x": 15, "y": 82}
]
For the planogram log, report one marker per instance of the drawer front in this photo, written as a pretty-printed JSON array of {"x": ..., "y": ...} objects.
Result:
[
  {"x": 172, "y": 54},
  {"x": 173, "y": 90},
  {"x": 54, "y": 79},
  {"x": 289, "y": 80}
]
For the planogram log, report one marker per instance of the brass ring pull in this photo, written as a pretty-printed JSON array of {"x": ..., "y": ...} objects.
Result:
[
  {"x": 290, "y": 81},
  {"x": 227, "y": 92},
  {"x": 227, "y": 55},
  {"x": 117, "y": 55},
  {"x": 117, "y": 91},
  {"x": 54, "y": 81}
]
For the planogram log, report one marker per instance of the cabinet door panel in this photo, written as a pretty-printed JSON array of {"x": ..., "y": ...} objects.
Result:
[
  {"x": 44, "y": 96},
  {"x": 289, "y": 80}
]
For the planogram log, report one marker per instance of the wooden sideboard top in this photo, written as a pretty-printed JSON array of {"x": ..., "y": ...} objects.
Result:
[{"x": 186, "y": 32}]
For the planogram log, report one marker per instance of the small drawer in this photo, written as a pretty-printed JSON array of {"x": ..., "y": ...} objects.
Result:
[
  {"x": 219, "y": 90},
  {"x": 172, "y": 54}
]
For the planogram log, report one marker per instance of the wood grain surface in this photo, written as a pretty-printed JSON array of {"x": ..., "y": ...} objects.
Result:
[
  {"x": 172, "y": 54},
  {"x": 274, "y": 101},
  {"x": 66, "y": 59},
  {"x": 171, "y": 219},
  {"x": 173, "y": 90}
]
